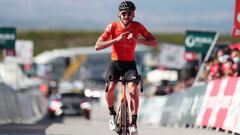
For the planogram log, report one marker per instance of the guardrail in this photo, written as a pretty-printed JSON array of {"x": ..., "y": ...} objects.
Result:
[
  {"x": 216, "y": 105},
  {"x": 26, "y": 106}
]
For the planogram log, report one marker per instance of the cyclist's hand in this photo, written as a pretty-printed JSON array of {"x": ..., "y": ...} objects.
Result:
[
  {"x": 131, "y": 37},
  {"x": 124, "y": 35}
]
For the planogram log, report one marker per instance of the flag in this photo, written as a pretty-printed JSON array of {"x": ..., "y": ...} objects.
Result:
[{"x": 236, "y": 25}]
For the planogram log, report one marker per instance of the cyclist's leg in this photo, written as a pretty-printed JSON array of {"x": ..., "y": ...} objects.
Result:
[
  {"x": 134, "y": 94},
  {"x": 113, "y": 74},
  {"x": 132, "y": 87},
  {"x": 132, "y": 78},
  {"x": 111, "y": 77},
  {"x": 109, "y": 96}
]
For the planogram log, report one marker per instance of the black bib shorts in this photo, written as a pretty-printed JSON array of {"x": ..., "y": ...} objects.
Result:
[{"x": 125, "y": 69}]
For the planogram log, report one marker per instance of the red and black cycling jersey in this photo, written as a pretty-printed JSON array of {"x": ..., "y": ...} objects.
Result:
[{"x": 124, "y": 50}]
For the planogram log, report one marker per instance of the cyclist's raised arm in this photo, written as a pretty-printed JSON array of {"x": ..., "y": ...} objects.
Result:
[
  {"x": 104, "y": 40},
  {"x": 148, "y": 38},
  {"x": 101, "y": 44},
  {"x": 148, "y": 41}
]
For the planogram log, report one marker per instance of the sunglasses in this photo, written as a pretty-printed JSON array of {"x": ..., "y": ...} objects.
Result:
[{"x": 127, "y": 13}]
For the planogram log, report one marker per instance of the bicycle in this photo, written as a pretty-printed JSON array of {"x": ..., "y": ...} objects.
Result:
[{"x": 122, "y": 118}]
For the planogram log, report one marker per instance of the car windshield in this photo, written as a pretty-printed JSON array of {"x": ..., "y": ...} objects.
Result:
[{"x": 73, "y": 98}]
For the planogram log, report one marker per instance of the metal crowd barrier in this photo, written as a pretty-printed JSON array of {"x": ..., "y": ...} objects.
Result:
[
  {"x": 26, "y": 106},
  {"x": 213, "y": 105}
]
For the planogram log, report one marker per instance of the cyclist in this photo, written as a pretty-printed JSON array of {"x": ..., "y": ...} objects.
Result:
[{"x": 123, "y": 35}]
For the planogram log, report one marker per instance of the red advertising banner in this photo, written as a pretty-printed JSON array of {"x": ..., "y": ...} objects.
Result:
[
  {"x": 217, "y": 102},
  {"x": 236, "y": 25},
  {"x": 232, "y": 120}
]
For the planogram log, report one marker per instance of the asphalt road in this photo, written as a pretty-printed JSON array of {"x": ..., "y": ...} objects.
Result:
[{"x": 73, "y": 125}]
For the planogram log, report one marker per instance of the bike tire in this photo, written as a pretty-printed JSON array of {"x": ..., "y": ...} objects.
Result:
[{"x": 124, "y": 115}]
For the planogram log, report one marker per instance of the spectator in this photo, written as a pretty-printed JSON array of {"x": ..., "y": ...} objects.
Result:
[
  {"x": 222, "y": 55},
  {"x": 226, "y": 63},
  {"x": 235, "y": 56},
  {"x": 235, "y": 53},
  {"x": 215, "y": 70},
  {"x": 227, "y": 68},
  {"x": 206, "y": 72}
]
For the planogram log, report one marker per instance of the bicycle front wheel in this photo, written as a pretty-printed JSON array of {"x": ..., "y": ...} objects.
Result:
[{"x": 125, "y": 118}]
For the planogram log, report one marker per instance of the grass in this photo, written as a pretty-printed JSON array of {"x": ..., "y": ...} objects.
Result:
[{"x": 48, "y": 40}]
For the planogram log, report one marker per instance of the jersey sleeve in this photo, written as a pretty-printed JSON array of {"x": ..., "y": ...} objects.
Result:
[
  {"x": 144, "y": 32},
  {"x": 107, "y": 33}
]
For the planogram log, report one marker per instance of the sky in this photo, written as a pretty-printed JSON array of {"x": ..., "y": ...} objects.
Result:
[{"x": 156, "y": 15}]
